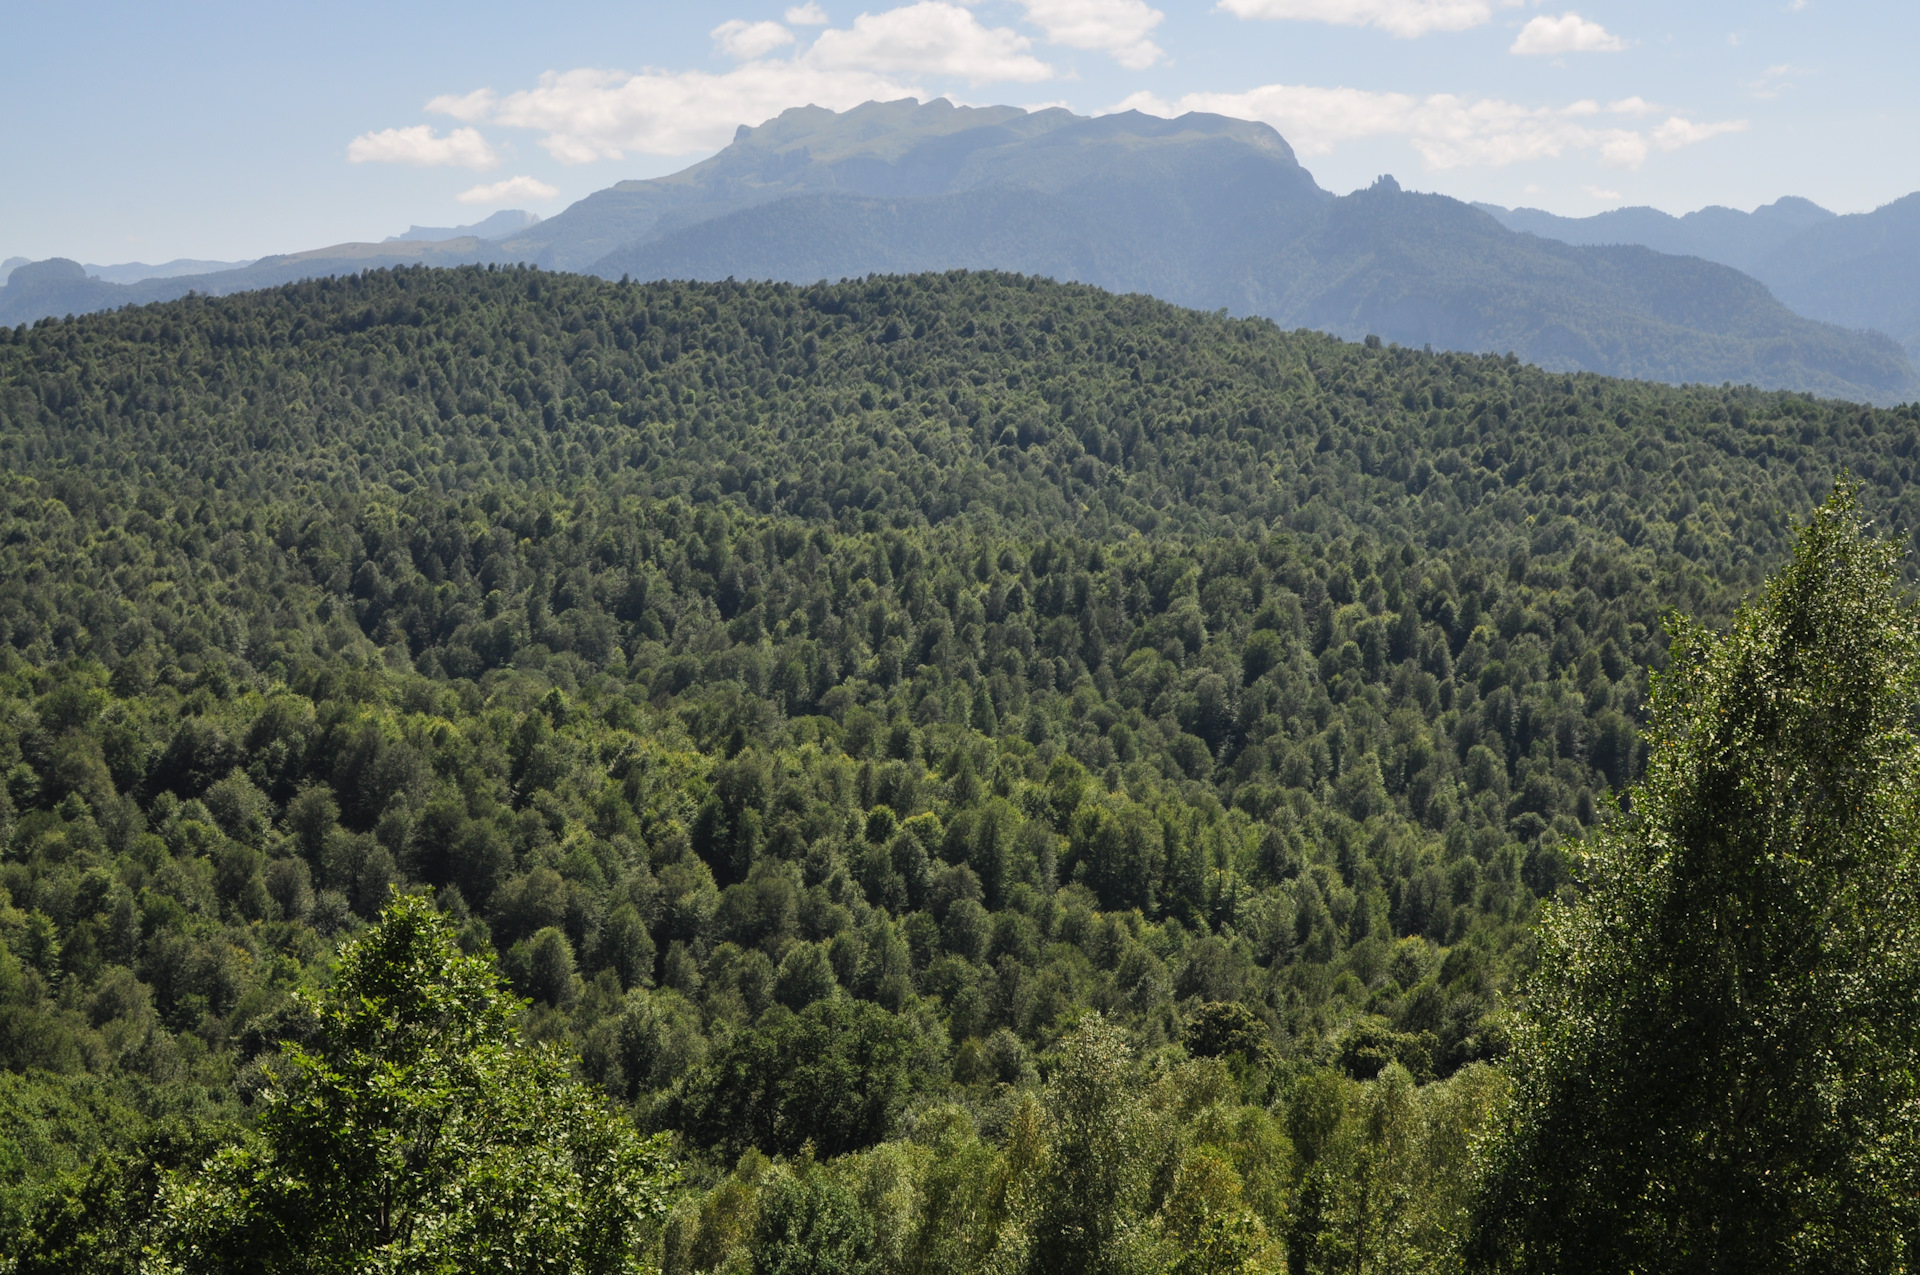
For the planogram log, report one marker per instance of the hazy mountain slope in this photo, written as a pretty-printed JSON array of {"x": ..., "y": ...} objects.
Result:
[
  {"x": 1417, "y": 269},
  {"x": 880, "y": 148},
  {"x": 136, "y": 271},
  {"x": 1861, "y": 270},
  {"x": 1425, "y": 269},
  {"x": 885, "y": 150},
  {"x": 501, "y": 225},
  {"x": 1727, "y": 235},
  {"x": 59, "y": 286},
  {"x": 1180, "y": 214}
]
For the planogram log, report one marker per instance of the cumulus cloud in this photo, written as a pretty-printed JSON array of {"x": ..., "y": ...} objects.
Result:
[
  {"x": 420, "y": 145},
  {"x": 929, "y": 38},
  {"x": 1404, "y": 18},
  {"x": 512, "y": 190},
  {"x": 590, "y": 114},
  {"x": 807, "y": 15},
  {"x": 1447, "y": 130},
  {"x": 1568, "y": 33},
  {"x": 749, "y": 40},
  {"x": 471, "y": 107},
  {"x": 1117, "y": 27},
  {"x": 1675, "y": 132},
  {"x": 593, "y": 114}
]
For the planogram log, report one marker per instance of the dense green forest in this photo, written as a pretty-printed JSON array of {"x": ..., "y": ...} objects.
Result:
[{"x": 998, "y": 774}]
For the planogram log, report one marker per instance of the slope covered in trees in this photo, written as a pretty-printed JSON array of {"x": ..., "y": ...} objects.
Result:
[{"x": 822, "y": 703}]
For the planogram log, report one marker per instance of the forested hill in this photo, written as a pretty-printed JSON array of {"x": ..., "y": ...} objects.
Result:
[
  {"x": 861, "y": 681},
  {"x": 908, "y": 399}
]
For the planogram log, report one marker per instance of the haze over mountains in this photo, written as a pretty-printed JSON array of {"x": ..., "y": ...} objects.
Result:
[
  {"x": 1209, "y": 212},
  {"x": 499, "y": 226},
  {"x": 1859, "y": 271},
  {"x": 135, "y": 271}
]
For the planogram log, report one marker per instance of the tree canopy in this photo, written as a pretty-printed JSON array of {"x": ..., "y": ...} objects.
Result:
[
  {"x": 412, "y": 1130},
  {"x": 1718, "y": 1068},
  {"x": 822, "y": 707}
]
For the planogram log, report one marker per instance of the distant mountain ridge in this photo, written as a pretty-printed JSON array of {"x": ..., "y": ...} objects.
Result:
[
  {"x": 509, "y": 221},
  {"x": 1860, "y": 270},
  {"x": 139, "y": 271},
  {"x": 58, "y": 286},
  {"x": 1726, "y": 235},
  {"x": 1202, "y": 210}
]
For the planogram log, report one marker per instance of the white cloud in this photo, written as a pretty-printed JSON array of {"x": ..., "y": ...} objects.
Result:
[
  {"x": 1635, "y": 105},
  {"x": 807, "y": 15},
  {"x": 1776, "y": 80},
  {"x": 929, "y": 38},
  {"x": 1118, "y": 27},
  {"x": 1447, "y": 130},
  {"x": 1568, "y": 33},
  {"x": 591, "y": 114},
  {"x": 512, "y": 190},
  {"x": 1404, "y": 18},
  {"x": 471, "y": 107},
  {"x": 1602, "y": 194},
  {"x": 1676, "y": 132},
  {"x": 462, "y": 148},
  {"x": 749, "y": 40}
]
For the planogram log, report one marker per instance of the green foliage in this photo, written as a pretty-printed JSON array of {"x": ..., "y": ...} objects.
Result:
[
  {"x": 415, "y": 1132},
  {"x": 1717, "y": 1072},
  {"x": 1210, "y": 1231},
  {"x": 834, "y": 1077},
  {"x": 1387, "y": 1169},
  {"x": 1096, "y": 1158},
  {"x": 812, "y": 1224},
  {"x": 1222, "y": 1029},
  {"x": 85, "y": 1158},
  {"x": 819, "y": 728}
]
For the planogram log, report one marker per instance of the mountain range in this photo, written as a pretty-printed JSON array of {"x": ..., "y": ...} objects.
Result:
[
  {"x": 499, "y": 226},
  {"x": 1203, "y": 210},
  {"x": 1861, "y": 270}
]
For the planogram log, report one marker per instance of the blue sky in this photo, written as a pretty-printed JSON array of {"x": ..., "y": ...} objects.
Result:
[{"x": 227, "y": 130}]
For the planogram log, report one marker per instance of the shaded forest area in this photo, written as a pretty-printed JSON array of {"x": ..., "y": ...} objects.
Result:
[{"x": 886, "y": 731}]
